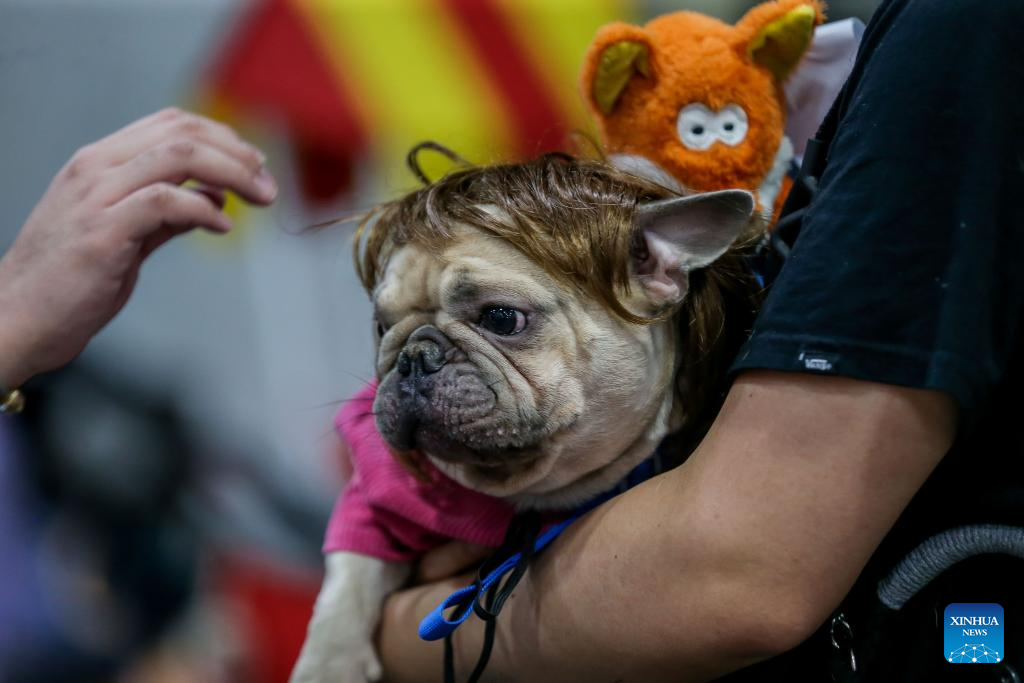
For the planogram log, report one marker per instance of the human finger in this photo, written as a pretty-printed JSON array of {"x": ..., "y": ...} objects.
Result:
[
  {"x": 449, "y": 560},
  {"x": 178, "y": 160},
  {"x": 214, "y": 194},
  {"x": 164, "y": 209},
  {"x": 149, "y": 132}
]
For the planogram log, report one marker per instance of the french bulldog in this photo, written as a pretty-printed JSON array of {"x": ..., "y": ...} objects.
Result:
[{"x": 513, "y": 366}]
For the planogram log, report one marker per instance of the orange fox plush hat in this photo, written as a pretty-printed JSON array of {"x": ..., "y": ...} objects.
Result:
[{"x": 690, "y": 99}]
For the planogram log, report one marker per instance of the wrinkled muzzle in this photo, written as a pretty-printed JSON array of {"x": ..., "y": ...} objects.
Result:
[{"x": 435, "y": 400}]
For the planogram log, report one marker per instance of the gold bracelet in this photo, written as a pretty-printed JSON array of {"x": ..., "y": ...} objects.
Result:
[{"x": 12, "y": 401}]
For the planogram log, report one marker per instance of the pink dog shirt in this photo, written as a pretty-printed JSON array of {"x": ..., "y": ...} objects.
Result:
[{"x": 386, "y": 512}]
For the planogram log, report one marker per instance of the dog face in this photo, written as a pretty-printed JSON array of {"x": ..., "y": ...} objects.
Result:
[{"x": 518, "y": 385}]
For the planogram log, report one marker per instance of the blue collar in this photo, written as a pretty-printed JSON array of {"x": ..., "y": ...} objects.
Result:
[{"x": 464, "y": 601}]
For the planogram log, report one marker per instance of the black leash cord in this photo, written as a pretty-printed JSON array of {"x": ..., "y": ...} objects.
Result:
[{"x": 521, "y": 537}]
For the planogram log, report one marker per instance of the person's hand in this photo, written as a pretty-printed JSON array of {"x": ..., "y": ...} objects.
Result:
[
  {"x": 406, "y": 658},
  {"x": 439, "y": 573},
  {"x": 448, "y": 561},
  {"x": 75, "y": 262}
]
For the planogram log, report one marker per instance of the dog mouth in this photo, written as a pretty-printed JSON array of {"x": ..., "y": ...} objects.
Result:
[
  {"x": 492, "y": 462},
  {"x": 434, "y": 400}
]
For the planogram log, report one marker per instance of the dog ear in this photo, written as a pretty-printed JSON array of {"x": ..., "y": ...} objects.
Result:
[{"x": 682, "y": 234}]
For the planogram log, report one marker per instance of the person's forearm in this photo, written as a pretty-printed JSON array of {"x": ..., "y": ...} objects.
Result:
[
  {"x": 23, "y": 314},
  {"x": 628, "y": 595},
  {"x": 15, "y": 342},
  {"x": 647, "y": 592},
  {"x": 12, "y": 373},
  {"x": 734, "y": 557}
]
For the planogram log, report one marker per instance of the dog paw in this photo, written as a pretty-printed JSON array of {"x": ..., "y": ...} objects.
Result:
[
  {"x": 339, "y": 645},
  {"x": 340, "y": 663}
]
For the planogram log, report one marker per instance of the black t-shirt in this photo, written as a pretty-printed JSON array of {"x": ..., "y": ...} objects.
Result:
[{"x": 909, "y": 268}]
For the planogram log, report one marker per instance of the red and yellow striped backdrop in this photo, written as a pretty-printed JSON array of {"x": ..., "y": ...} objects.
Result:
[{"x": 361, "y": 81}]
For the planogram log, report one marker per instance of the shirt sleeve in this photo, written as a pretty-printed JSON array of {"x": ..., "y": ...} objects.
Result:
[
  {"x": 356, "y": 525},
  {"x": 907, "y": 269},
  {"x": 353, "y": 526}
]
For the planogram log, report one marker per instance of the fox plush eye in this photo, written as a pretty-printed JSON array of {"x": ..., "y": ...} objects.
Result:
[
  {"x": 699, "y": 128},
  {"x": 695, "y": 126},
  {"x": 503, "y": 320},
  {"x": 732, "y": 124}
]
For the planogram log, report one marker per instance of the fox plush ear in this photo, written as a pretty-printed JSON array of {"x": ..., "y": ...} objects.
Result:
[
  {"x": 682, "y": 234},
  {"x": 619, "y": 52},
  {"x": 776, "y": 34}
]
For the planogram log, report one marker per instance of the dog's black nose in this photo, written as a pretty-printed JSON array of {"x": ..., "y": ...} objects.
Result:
[{"x": 426, "y": 352}]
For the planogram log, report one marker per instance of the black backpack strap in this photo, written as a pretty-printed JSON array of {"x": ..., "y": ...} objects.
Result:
[{"x": 776, "y": 245}]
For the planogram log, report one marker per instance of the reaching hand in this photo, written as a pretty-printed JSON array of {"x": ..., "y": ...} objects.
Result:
[{"x": 75, "y": 262}]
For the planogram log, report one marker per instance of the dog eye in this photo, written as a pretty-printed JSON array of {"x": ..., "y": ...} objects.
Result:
[
  {"x": 503, "y": 321},
  {"x": 381, "y": 330}
]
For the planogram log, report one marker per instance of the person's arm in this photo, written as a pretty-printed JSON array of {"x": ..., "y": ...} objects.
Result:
[
  {"x": 75, "y": 262},
  {"x": 738, "y": 555}
]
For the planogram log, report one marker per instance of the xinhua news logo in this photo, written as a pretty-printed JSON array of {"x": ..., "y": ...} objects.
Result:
[{"x": 973, "y": 633}]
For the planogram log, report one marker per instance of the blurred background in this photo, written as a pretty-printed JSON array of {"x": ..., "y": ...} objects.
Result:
[{"x": 162, "y": 501}]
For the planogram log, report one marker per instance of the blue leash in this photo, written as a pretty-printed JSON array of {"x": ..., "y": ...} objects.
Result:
[
  {"x": 464, "y": 601},
  {"x": 487, "y": 594}
]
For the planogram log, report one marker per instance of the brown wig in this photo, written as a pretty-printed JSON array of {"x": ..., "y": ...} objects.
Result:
[{"x": 575, "y": 219}]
